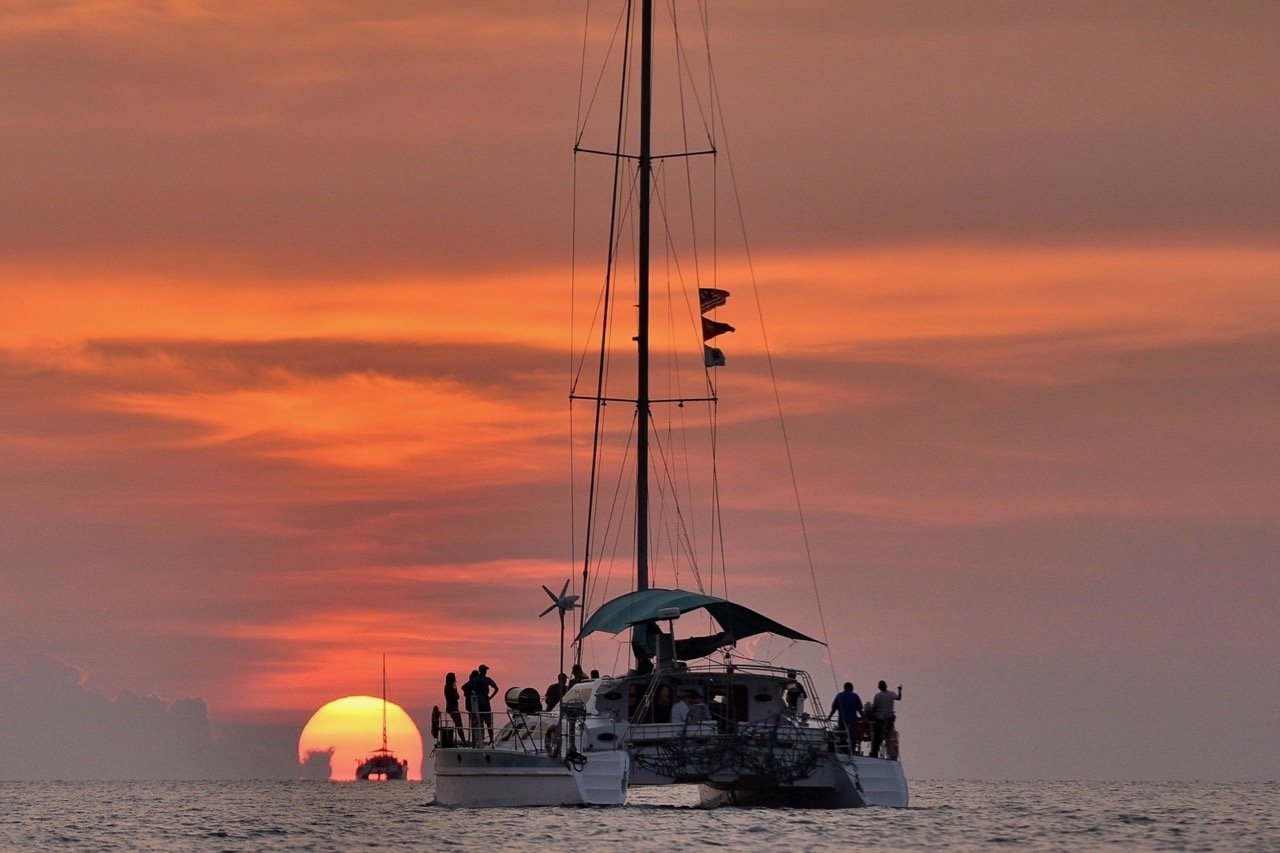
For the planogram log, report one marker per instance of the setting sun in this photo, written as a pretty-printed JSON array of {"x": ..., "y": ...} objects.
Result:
[{"x": 351, "y": 728}]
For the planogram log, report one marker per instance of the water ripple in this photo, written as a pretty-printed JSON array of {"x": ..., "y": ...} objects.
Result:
[{"x": 251, "y": 816}]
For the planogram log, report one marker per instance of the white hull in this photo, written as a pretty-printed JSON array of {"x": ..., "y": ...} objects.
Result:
[
  {"x": 883, "y": 782},
  {"x": 498, "y": 778}
]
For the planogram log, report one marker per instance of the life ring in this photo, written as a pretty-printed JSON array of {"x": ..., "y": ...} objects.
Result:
[
  {"x": 435, "y": 721},
  {"x": 551, "y": 741}
]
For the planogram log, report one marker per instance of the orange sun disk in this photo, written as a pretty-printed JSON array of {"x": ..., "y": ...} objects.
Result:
[{"x": 352, "y": 728}]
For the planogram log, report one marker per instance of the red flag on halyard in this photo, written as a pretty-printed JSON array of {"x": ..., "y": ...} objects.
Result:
[
  {"x": 710, "y": 328},
  {"x": 712, "y": 357},
  {"x": 711, "y": 297}
]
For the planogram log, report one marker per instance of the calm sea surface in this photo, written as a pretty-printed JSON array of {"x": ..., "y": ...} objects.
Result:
[{"x": 333, "y": 816}]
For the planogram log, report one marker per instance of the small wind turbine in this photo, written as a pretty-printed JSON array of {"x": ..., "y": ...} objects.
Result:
[{"x": 564, "y": 603}]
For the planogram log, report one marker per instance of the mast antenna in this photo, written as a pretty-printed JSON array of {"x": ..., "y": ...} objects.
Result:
[{"x": 384, "y": 701}]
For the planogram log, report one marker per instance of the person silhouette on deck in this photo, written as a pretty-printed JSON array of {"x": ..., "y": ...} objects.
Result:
[
  {"x": 680, "y": 710},
  {"x": 847, "y": 706},
  {"x": 483, "y": 688},
  {"x": 469, "y": 699},
  {"x": 883, "y": 718},
  {"x": 556, "y": 691},
  {"x": 451, "y": 705}
]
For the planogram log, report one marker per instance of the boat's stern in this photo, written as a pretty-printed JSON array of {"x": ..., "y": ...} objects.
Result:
[{"x": 882, "y": 782}]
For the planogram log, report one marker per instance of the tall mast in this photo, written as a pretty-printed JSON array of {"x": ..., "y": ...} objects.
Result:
[
  {"x": 642, "y": 333},
  {"x": 384, "y": 701}
]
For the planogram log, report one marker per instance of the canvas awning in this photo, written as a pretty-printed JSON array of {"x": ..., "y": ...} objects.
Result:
[{"x": 636, "y": 608}]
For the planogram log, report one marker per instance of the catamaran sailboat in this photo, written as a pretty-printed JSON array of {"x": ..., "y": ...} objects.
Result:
[
  {"x": 689, "y": 710},
  {"x": 382, "y": 762},
  {"x": 755, "y": 744}
]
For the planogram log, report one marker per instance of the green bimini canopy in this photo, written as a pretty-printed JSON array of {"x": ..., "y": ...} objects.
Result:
[{"x": 636, "y": 608}]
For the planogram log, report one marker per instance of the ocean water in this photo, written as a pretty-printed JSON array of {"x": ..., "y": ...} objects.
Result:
[{"x": 341, "y": 816}]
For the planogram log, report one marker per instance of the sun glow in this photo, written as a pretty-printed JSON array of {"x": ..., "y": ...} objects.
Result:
[{"x": 351, "y": 728}]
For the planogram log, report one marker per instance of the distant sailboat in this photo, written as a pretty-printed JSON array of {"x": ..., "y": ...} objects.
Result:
[{"x": 382, "y": 762}]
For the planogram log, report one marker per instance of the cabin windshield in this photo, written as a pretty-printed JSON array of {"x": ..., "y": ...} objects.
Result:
[{"x": 583, "y": 692}]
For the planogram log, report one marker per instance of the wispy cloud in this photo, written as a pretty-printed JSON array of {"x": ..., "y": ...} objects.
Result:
[{"x": 285, "y": 358}]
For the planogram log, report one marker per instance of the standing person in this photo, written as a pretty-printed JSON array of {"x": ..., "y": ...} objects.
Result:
[
  {"x": 795, "y": 695},
  {"x": 473, "y": 715},
  {"x": 847, "y": 706},
  {"x": 680, "y": 711},
  {"x": 483, "y": 688},
  {"x": 883, "y": 717},
  {"x": 555, "y": 691},
  {"x": 451, "y": 705}
]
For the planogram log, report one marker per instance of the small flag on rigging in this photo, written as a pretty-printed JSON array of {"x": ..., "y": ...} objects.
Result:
[
  {"x": 711, "y": 297},
  {"x": 712, "y": 357},
  {"x": 710, "y": 328}
]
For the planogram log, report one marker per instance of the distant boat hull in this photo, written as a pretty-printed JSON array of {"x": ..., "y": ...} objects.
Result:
[
  {"x": 501, "y": 778},
  {"x": 382, "y": 765}
]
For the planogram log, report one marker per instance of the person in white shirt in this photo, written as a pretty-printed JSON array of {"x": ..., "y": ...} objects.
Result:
[
  {"x": 680, "y": 711},
  {"x": 883, "y": 717}
]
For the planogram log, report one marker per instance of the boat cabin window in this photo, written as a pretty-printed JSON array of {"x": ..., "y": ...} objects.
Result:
[
  {"x": 663, "y": 699},
  {"x": 609, "y": 699},
  {"x": 580, "y": 693},
  {"x": 659, "y": 710},
  {"x": 731, "y": 703}
]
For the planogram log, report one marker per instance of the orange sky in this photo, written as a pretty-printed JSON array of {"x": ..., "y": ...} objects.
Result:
[{"x": 285, "y": 331}]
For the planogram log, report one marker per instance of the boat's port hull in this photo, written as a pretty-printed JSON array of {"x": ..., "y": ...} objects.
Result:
[{"x": 496, "y": 778}]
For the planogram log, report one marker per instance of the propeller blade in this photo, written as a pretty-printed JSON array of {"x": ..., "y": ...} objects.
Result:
[
  {"x": 564, "y": 588},
  {"x": 548, "y": 610},
  {"x": 549, "y": 593}
]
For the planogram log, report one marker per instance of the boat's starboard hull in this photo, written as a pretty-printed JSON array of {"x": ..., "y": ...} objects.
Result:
[{"x": 843, "y": 782}]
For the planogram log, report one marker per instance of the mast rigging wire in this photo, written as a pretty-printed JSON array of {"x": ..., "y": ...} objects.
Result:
[
  {"x": 777, "y": 398},
  {"x": 711, "y": 115}
]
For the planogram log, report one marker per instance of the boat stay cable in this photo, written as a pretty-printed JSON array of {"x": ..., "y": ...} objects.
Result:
[
  {"x": 777, "y": 397},
  {"x": 605, "y": 299},
  {"x": 665, "y": 446}
]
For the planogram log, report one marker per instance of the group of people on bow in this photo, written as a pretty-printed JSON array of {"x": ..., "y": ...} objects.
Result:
[{"x": 476, "y": 695}]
